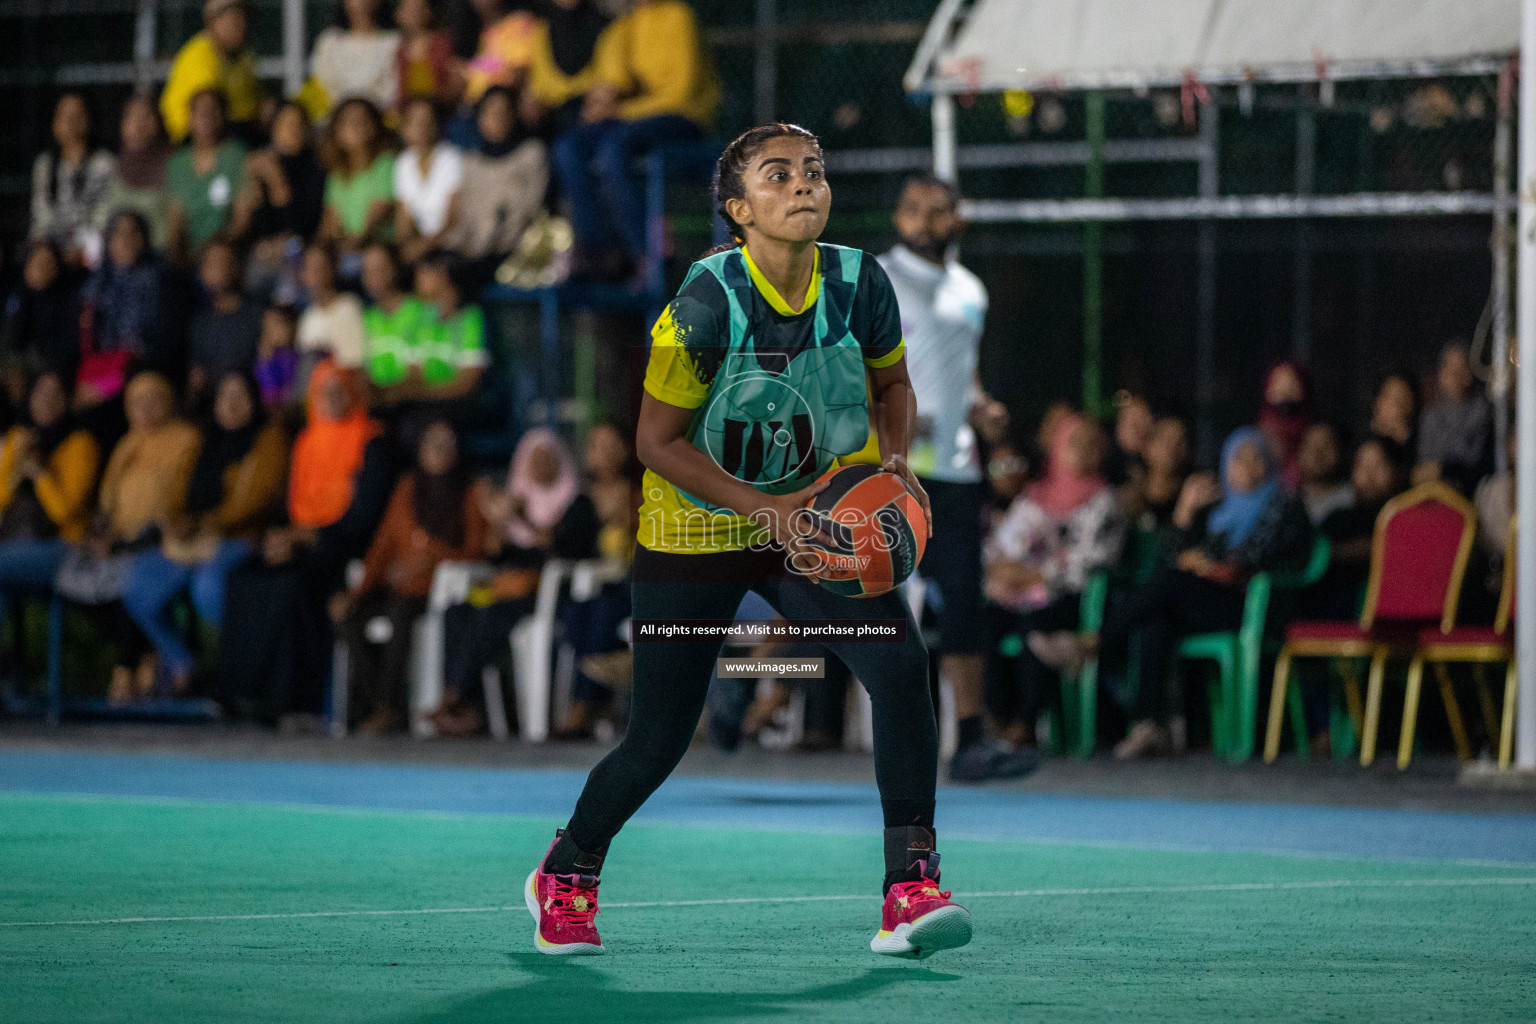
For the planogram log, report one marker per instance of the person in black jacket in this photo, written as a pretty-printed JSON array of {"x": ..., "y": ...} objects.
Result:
[{"x": 41, "y": 330}]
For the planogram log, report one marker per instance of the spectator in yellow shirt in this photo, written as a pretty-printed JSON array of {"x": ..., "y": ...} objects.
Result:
[
  {"x": 215, "y": 58},
  {"x": 563, "y": 69},
  {"x": 653, "y": 85}
]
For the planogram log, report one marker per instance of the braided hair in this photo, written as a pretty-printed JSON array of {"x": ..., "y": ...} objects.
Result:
[{"x": 731, "y": 169}]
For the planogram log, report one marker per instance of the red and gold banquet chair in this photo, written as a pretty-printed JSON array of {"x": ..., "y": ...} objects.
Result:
[
  {"x": 1418, "y": 558},
  {"x": 1475, "y": 644}
]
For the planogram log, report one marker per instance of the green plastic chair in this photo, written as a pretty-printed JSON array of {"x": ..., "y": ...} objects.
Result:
[
  {"x": 1234, "y": 696},
  {"x": 1080, "y": 692}
]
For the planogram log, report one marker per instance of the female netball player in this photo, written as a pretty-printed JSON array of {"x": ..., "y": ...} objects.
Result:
[{"x": 760, "y": 376}]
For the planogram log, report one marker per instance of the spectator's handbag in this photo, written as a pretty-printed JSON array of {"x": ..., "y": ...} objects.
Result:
[
  {"x": 543, "y": 256},
  {"x": 88, "y": 580},
  {"x": 101, "y": 373}
]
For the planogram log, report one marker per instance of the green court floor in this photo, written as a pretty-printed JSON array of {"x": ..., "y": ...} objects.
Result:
[{"x": 256, "y": 912}]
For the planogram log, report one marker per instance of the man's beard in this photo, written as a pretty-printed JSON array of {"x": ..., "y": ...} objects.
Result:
[{"x": 931, "y": 249}]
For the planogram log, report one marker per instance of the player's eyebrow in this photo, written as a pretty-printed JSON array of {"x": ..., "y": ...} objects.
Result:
[{"x": 773, "y": 160}]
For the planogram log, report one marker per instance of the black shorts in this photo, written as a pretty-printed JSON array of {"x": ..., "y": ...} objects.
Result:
[{"x": 952, "y": 563}]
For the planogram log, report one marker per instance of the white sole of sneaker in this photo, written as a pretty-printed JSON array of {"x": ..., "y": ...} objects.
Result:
[
  {"x": 553, "y": 949},
  {"x": 945, "y": 928}
]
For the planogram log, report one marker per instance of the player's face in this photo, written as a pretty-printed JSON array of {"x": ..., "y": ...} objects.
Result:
[{"x": 787, "y": 197}]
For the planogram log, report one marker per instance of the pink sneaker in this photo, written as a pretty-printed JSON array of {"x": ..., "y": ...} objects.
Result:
[
  {"x": 563, "y": 907},
  {"x": 919, "y": 920}
]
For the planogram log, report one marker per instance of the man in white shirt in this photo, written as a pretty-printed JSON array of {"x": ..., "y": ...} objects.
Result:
[{"x": 943, "y": 307}]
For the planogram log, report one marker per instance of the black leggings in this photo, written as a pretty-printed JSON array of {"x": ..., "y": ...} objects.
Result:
[{"x": 672, "y": 678}]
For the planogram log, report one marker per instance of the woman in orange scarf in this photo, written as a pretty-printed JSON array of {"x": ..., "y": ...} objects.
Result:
[{"x": 277, "y": 639}]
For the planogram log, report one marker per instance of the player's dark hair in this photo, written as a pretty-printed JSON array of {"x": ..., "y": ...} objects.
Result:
[
  {"x": 927, "y": 180},
  {"x": 731, "y": 169}
]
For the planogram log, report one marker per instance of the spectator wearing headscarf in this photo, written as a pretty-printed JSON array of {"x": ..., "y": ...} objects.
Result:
[
  {"x": 41, "y": 330},
  {"x": 541, "y": 513},
  {"x": 1038, "y": 559},
  {"x": 564, "y": 44},
  {"x": 138, "y": 179},
  {"x": 1224, "y": 534},
  {"x": 275, "y": 650},
  {"x": 1285, "y": 416},
  {"x": 433, "y": 516},
  {"x": 1395, "y": 410},
  {"x": 505, "y": 178}
]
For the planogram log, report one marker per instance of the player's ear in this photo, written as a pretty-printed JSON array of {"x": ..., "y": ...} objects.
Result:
[{"x": 740, "y": 211}]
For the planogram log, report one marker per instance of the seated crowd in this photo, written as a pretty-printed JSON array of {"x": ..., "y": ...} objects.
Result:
[
  {"x": 245, "y": 345},
  {"x": 1182, "y": 545}
]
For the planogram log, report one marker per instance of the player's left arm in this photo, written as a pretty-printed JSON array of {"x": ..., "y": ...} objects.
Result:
[{"x": 895, "y": 407}]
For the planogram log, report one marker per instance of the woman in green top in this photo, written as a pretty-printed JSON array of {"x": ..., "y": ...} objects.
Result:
[
  {"x": 360, "y": 192},
  {"x": 392, "y": 327},
  {"x": 203, "y": 178},
  {"x": 772, "y": 364},
  {"x": 452, "y": 345}
]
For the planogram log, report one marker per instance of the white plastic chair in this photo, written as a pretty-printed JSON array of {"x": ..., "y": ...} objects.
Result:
[
  {"x": 542, "y": 674},
  {"x": 451, "y": 584}
]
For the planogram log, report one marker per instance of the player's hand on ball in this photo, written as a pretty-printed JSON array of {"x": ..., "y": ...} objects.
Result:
[
  {"x": 898, "y": 464},
  {"x": 789, "y": 521}
]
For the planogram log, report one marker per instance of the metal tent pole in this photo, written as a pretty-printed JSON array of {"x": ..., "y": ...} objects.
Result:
[
  {"x": 1093, "y": 261},
  {"x": 293, "y": 46},
  {"x": 145, "y": 30},
  {"x": 1525, "y": 473},
  {"x": 1306, "y": 173},
  {"x": 1205, "y": 290},
  {"x": 944, "y": 164},
  {"x": 765, "y": 67},
  {"x": 1498, "y": 376}
]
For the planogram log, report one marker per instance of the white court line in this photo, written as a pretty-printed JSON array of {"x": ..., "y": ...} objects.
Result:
[{"x": 1122, "y": 890}]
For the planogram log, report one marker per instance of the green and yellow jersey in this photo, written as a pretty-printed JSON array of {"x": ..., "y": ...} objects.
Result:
[{"x": 780, "y": 394}]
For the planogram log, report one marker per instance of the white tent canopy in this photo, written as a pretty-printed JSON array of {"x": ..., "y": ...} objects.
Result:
[{"x": 1079, "y": 44}]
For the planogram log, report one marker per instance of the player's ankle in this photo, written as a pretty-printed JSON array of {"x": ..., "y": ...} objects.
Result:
[
  {"x": 909, "y": 855},
  {"x": 566, "y": 858}
]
